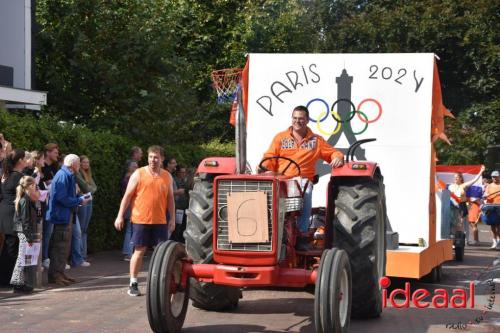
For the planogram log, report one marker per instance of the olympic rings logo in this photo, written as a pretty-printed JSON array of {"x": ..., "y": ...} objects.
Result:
[{"x": 354, "y": 111}]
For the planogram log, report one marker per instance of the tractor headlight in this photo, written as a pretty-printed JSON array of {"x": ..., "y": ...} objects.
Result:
[
  {"x": 359, "y": 166},
  {"x": 211, "y": 163}
]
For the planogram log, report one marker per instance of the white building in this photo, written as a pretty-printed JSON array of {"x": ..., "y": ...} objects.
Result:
[{"x": 16, "y": 65}]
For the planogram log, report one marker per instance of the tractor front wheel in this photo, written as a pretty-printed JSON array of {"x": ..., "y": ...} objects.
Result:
[
  {"x": 166, "y": 299},
  {"x": 333, "y": 293}
]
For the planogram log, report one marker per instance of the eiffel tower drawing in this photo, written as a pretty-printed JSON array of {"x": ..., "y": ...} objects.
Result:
[{"x": 344, "y": 109}]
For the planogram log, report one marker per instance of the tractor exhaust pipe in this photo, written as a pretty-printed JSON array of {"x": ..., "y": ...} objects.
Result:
[{"x": 241, "y": 136}]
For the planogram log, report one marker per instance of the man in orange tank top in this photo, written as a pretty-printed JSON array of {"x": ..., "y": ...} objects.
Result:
[{"x": 150, "y": 192}]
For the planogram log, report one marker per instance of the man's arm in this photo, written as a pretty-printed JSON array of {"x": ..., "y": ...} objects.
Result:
[
  {"x": 60, "y": 194},
  {"x": 129, "y": 193},
  {"x": 329, "y": 154},
  {"x": 273, "y": 150},
  {"x": 171, "y": 208}
]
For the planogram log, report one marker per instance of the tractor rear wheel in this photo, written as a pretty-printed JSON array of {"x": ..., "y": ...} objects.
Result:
[
  {"x": 198, "y": 236},
  {"x": 359, "y": 225}
]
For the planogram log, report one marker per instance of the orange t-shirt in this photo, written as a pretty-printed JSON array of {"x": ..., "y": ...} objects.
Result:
[
  {"x": 494, "y": 198},
  {"x": 306, "y": 153},
  {"x": 150, "y": 203}
]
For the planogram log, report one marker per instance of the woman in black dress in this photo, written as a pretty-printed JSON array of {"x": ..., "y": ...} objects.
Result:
[{"x": 14, "y": 164}]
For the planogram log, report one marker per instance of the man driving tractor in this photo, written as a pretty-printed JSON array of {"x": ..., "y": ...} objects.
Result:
[{"x": 301, "y": 145}]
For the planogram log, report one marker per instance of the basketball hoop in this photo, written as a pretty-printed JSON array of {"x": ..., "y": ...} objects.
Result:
[{"x": 226, "y": 83}]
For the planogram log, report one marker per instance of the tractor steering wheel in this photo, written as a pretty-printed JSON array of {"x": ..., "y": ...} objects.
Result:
[{"x": 290, "y": 162}]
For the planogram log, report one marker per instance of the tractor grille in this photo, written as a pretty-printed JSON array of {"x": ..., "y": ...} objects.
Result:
[{"x": 229, "y": 186}]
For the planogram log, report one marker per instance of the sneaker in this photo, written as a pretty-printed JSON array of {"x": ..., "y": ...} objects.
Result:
[
  {"x": 494, "y": 244},
  {"x": 126, "y": 258},
  {"x": 85, "y": 264},
  {"x": 133, "y": 289},
  {"x": 68, "y": 279},
  {"x": 60, "y": 281},
  {"x": 24, "y": 289},
  {"x": 46, "y": 263},
  {"x": 67, "y": 267},
  {"x": 472, "y": 242}
]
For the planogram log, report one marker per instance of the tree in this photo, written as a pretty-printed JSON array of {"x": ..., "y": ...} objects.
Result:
[
  {"x": 476, "y": 128},
  {"x": 112, "y": 64}
]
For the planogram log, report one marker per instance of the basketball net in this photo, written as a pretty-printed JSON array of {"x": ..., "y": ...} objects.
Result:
[{"x": 226, "y": 84}]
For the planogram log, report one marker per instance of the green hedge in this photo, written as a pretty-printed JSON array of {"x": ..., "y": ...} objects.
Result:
[{"x": 107, "y": 152}]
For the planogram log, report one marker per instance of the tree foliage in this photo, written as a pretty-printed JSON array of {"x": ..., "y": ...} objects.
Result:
[
  {"x": 143, "y": 67},
  {"x": 476, "y": 128},
  {"x": 112, "y": 64}
]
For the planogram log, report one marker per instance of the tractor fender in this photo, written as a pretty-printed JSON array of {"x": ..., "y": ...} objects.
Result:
[
  {"x": 356, "y": 169},
  {"x": 217, "y": 165}
]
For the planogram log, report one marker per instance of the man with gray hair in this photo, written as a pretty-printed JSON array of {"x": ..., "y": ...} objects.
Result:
[{"x": 61, "y": 210}]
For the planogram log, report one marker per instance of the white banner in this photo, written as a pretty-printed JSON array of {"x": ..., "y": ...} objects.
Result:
[{"x": 382, "y": 96}]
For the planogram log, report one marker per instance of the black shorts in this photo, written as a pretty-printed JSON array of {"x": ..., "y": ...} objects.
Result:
[
  {"x": 148, "y": 234},
  {"x": 463, "y": 209}
]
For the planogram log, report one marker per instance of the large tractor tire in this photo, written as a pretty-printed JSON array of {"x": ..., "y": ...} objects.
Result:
[
  {"x": 359, "y": 229},
  {"x": 198, "y": 236}
]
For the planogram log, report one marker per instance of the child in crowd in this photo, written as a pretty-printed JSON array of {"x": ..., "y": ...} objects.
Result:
[{"x": 25, "y": 220}]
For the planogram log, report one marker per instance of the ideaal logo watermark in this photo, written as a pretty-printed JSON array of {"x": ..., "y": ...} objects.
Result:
[
  {"x": 477, "y": 320},
  {"x": 440, "y": 300},
  {"x": 457, "y": 326}
]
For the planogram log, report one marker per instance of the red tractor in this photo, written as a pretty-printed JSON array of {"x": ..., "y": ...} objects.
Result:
[{"x": 345, "y": 261}]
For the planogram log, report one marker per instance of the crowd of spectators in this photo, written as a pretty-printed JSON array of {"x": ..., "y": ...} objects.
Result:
[
  {"x": 473, "y": 204},
  {"x": 42, "y": 191}
]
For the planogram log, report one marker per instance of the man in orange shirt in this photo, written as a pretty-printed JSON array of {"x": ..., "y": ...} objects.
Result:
[
  {"x": 151, "y": 190},
  {"x": 300, "y": 144}
]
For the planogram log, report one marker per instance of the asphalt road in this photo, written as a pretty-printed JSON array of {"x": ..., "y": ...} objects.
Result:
[{"x": 99, "y": 303}]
